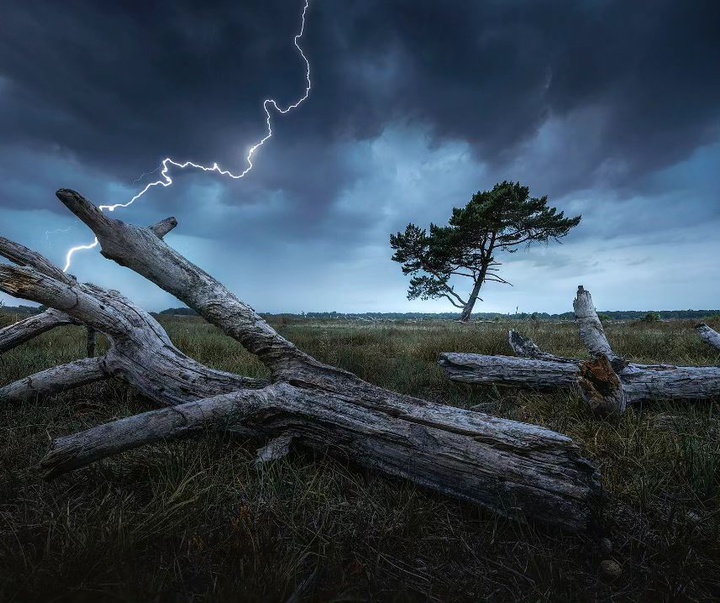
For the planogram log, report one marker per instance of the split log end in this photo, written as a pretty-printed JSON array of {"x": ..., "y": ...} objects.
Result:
[{"x": 601, "y": 387}]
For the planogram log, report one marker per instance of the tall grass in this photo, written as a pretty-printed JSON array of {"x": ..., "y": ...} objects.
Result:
[{"x": 197, "y": 520}]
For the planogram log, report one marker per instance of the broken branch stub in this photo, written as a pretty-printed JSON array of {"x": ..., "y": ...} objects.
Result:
[
  {"x": 708, "y": 335},
  {"x": 26, "y": 329},
  {"x": 513, "y": 468}
]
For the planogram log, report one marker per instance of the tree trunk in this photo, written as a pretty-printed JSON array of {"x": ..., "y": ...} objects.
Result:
[
  {"x": 472, "y": 299},
  {"x": 516, "y": 469},
  {"x": 91, "y": 341},
  {"x": 591, "y": 330},
  {"x": 606, "y": 391}
]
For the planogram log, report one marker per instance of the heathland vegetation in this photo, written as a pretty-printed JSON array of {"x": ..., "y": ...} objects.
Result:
[{"x": 197, "y": 519}]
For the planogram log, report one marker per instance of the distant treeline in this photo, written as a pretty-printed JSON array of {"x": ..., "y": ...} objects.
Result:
[
  {"x": 568, "y": 316},
  {"x": 611, "y": 315}
]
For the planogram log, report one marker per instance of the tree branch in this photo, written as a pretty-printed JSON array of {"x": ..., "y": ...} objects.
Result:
[
  {"x": 453, "y": 302},
  {"x": 55, "y": 380},
  {"x": 163, "y": 227},
  {"x": 142, "y": 251},
  {"x": 141, "y": 352},
  {"x": 22, "y": 256},
  {"x": 19, "y": 332}
]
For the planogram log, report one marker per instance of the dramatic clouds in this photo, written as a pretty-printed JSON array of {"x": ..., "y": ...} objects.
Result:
[{"x": 610, "y": 108}]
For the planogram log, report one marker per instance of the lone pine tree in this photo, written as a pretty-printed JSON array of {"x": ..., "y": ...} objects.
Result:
[{"x": 501, "y": 219}]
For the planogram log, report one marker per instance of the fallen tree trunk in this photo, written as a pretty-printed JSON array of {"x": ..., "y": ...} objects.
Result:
[
  {"x": 640, "y": 382},
  {"x": 516, "y": 469},
  {"x": 605, "y": 390}
]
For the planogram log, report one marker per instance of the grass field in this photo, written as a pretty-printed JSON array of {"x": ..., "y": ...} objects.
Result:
[{"x": 196, "y": 520}]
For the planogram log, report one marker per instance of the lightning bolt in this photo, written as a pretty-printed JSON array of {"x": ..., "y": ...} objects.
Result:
[{"x": 166, "y": 180}]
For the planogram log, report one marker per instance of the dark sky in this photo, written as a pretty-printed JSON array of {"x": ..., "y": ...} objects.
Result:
[{"x": 610, "y": 108}]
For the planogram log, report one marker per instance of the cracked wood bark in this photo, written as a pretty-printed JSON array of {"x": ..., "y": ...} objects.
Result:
[
  {"x": 516, "y": 469},
  {"x": 708, "y": 335},
  {"x": 599, "y": 385}
]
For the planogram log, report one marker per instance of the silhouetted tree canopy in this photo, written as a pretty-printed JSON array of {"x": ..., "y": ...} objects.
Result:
[{"x": 501, "y": 219}]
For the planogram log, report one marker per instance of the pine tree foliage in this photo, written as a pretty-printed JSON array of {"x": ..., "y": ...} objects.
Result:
[{"x": 502, "y": 219}]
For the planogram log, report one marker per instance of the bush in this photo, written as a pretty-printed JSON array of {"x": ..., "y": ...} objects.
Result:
[{"x": 651, "y": 317}]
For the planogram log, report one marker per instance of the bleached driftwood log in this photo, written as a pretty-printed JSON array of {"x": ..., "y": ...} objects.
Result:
[
  {"x": 516, "y": 469},
  {"x": 641, "y": 382},
  {"x": 605, "y": 390}
]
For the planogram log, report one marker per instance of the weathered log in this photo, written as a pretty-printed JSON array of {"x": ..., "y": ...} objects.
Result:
[
  {"x": 708, "y": 335},
  {"x": 516, "y": 469},
  {"x": 542, "y": 370},
  {"x": 591, "y": 330},
  {"x": 641, "y": 382},
  {"x": 509, "y": 370}
]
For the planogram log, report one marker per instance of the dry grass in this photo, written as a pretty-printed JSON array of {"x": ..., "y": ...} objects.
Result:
[{"x": 195, "y": 520}]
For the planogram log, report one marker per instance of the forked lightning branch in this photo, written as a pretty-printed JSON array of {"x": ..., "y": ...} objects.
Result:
[{"x": 166, "y": 180}]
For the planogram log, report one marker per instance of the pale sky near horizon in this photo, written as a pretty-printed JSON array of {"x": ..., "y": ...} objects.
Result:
[{"x": 610, "y": 108}]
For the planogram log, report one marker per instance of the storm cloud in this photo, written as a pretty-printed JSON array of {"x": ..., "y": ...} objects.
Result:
[{"x": 610, "y": 108}]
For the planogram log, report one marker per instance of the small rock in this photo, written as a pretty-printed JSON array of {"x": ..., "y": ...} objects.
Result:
[
  {"x": 606, "y": 545},
  {"x": 611, "y": 568},
  {"x": 694, "y": 518}
]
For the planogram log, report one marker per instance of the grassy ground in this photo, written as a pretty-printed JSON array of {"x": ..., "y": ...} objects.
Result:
[{"x": 196, "y": 520}]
